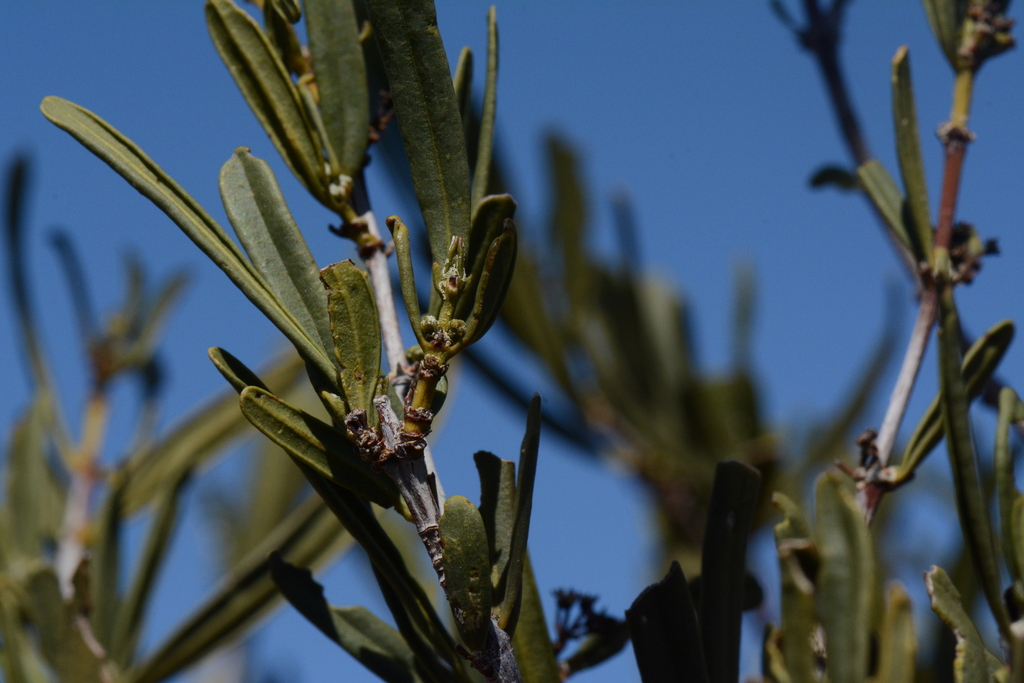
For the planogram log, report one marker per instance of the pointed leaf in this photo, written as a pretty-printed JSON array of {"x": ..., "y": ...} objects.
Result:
[
  {"x": 274, "y": 243},
  {"x": 316, "y": 444},
  {"x": 462, "y": 82},
  {"x": 723, "y": 567},
  {"x": 467, "y": 569},
  {"x": 341, "y": 79},
  {"x": 269, "y": 90},
  {"x": 377, "y": 646},
  {"x": 946, "y": 17},
  {"x": 498, "y": 509},
  {"x": 482, "y": 170},
  {"x": 836, "y": 176},
  {"x": 886, "y": 196},
  {"x": 666, "y": 637},
  {"x": 428, "y": 115},
  {"x": 356, "y": 331},
  {"x": 234, "y": 370},
  {"x": 403, "y": 255},
  {"x": 908, "y": 148},
  {"x": 532, "y": 642}
]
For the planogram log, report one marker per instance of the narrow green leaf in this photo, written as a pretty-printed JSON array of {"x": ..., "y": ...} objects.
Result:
[
  {"x": 264, "y": 81},
  {"x": 495, "y": 279},
  {"x": 836, "y": 176},
  {"x": 532, "y": 642},
  {"x": 897, "y": 642},
  {"x": 428, "y": 115},
  {"x": 403, "y": 255},
  {"x": 129, "y": 618},
  {"x": 275, "y": 245},
  {"x": 734, "y": 499},
  {"x": 795, "y": 523},
  {"x": 377, "y": 646},
  {"x": 567, "y": 224},
  {"x": 971, "y": 501},
  {"x": 462, "y": 82},
  {"x": 308, "y": 536},
  {"x": 194, "y": 441},
  {"x": 845, "y": 582},
  {"x": 34, "y": 498},
  {"x": 665, "y": 633},
  {"x": 886, "y": 196},
  {"x": 340, "y": 69},
  {"x": 105, "y": 567},
  {"x": 521, "y": 529},
  {"x": 1010, "y": 409},
  {"x": 143, "y": 174},
  {"x": 908, "y": 150},
  {"x": 946, "y": 17},
  {"x": 356, "y": 331},
  {"x": 979, "y": 363},
  {"x": 798, "y": 565},
  {"x": 317, "y": 445},
  {"x": 498, "y": 509},
  {"x": 973, "y": 662},
  {"x": 482, "y": 170},
  {"x": 467, "y": 569},
  {"x": 488, "y": 222},
  {"x": 234, "y": 371}
]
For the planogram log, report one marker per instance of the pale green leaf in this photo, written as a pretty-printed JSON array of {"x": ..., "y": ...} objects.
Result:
[{"x": 355, "y": 328}]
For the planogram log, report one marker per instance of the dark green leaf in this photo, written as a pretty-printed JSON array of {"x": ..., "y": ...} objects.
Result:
[
  {"x": 482, "y": 169},
  {"x": 836, "y": 176},
  {"x": 234, "y": 371},
  {"x": 886, "y": 196},
  {"x": 267, "y": 87},
  {"x": 403, "y": 255},
  {"x": 274, "y": 243},
  {"x": 908, "y": 149},
  {"x": 567, "y": 224},
  {"x": 467, "y": 569},
  {"x": 491, "y": 288},
  {"x": 665, "y": 633},
  {"x": 1010, "y": 410},
  {"x": 316, "y": 444},
  {"x": 428, "y": 115},
  {"x": 532, "y": 642},
  {"x": 341, "y": 80},
  {"x": 462, "y": 81},
  {"x": 377, "y": 646},
  {"x": 723, "y": 567},
  {"x": 946, "y": 17},
  {"x": 498, "y": 509},
  {"x": 488, "y": 222},
  {"x": 356, "y": 331}
]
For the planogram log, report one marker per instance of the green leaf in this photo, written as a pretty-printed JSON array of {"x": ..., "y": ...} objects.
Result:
[
  {"x": 467, "y": 569},
  {"x": 532, "y": 642},
  {"x": 462, "y": 82},
  {"x": 234, "y": 371},
  {"x": 35, "y": 500},
  {"x": 798, "y": 565},
  {"x": 979, "y": 364},
  {"x": 521, "y": 528},
  {"x": 356, "y": 331},
  {"x": 488, "y": 222},
  {"x": 886, "y": 196},
  {"x": 971, "y": 501},
  {"x": 836, "y": 176},
  {"x": 498, "y": 510},
  {"x": 897, "y": 642},
  {"x": 403, "y": 255},
  {"x": 317, "y": 445},
  {"x": 482, "y": 170},
  {"x": 377, "y": 646},
  {"x": 105, "y": 567},
  {"x": 269, "y": 90},
  {"x": 846, "y": 581},
  {"x": 946, "y": 18},
  {"x": 908, "y": 148},
  {"x": 665, "y": 633},
  {"x": 723, "y": 567},
  {"x": 974, "y": 663},
  {"x": 1010, "y": 410},
  {"x": 268, "y": 233},
  {"x": 194, "y": 441},
  {"x": 129, "y": 617},
  {"x": 65, "y": 645},
  {"x": 428, "y": 115},
  {"x": 340, "y": 70},
  {"x": 491, "y": 288},
  {"x": 144, "y": 175},
  {"x": 567, "y": 224}
]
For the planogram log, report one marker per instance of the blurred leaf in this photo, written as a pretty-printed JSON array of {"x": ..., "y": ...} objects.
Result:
[
  {"x": 482, "y": 169},
  {"x": 665, "y": 633},
  {"x": 498, "y": 510},
  {"x": 274, "y": 243},
  {"x": 317, "y": 445},
  {"x": 18, "y": 658},
  {"x": 974, "y": 664},
  {"x": 886, "y": 196},
  {"x": 428, "y": 115},
  {"x": 34, "y": 498},
  {"x": 269, "y": 90},
  {"x": 846, "y": 581},
  {"x": 467, "y": 569},
  {"x": 289, "y": 9},
  {"x": 795, "y": 548},
  {"x": 150, "y": 180},
  {"x": 377, "y": 646},
  {"x": 65, "y": 645},
  {"x": 341, "y": 80},
  {"x": 105, "y": 567},
  {"x": 194, "y": 441},
  {"x": 979, "y": 363},
  {"x": 723, "y": 567},
  {"x": 308, "y": 536},
  {"x": 598, "y": 648},
  {"x": 946, "y": 17},
  {"x": 836, "y": 176},
  {"x": 908, "y": 149},
  {"x": 971, "y": 501},
  {"x": 1010, "y": 410},
  {"x": 897, "y": 642},
  {"x": 520, "y": 531},
  {"x": 78, "y": 287},
  {"x": 567, "y": 224},
  {"x": 532, "y": 642},
  {"x": 356, "y": 331}
]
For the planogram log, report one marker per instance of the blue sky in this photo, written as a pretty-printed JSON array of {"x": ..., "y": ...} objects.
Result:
[{"x": 706, "y": 111}]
